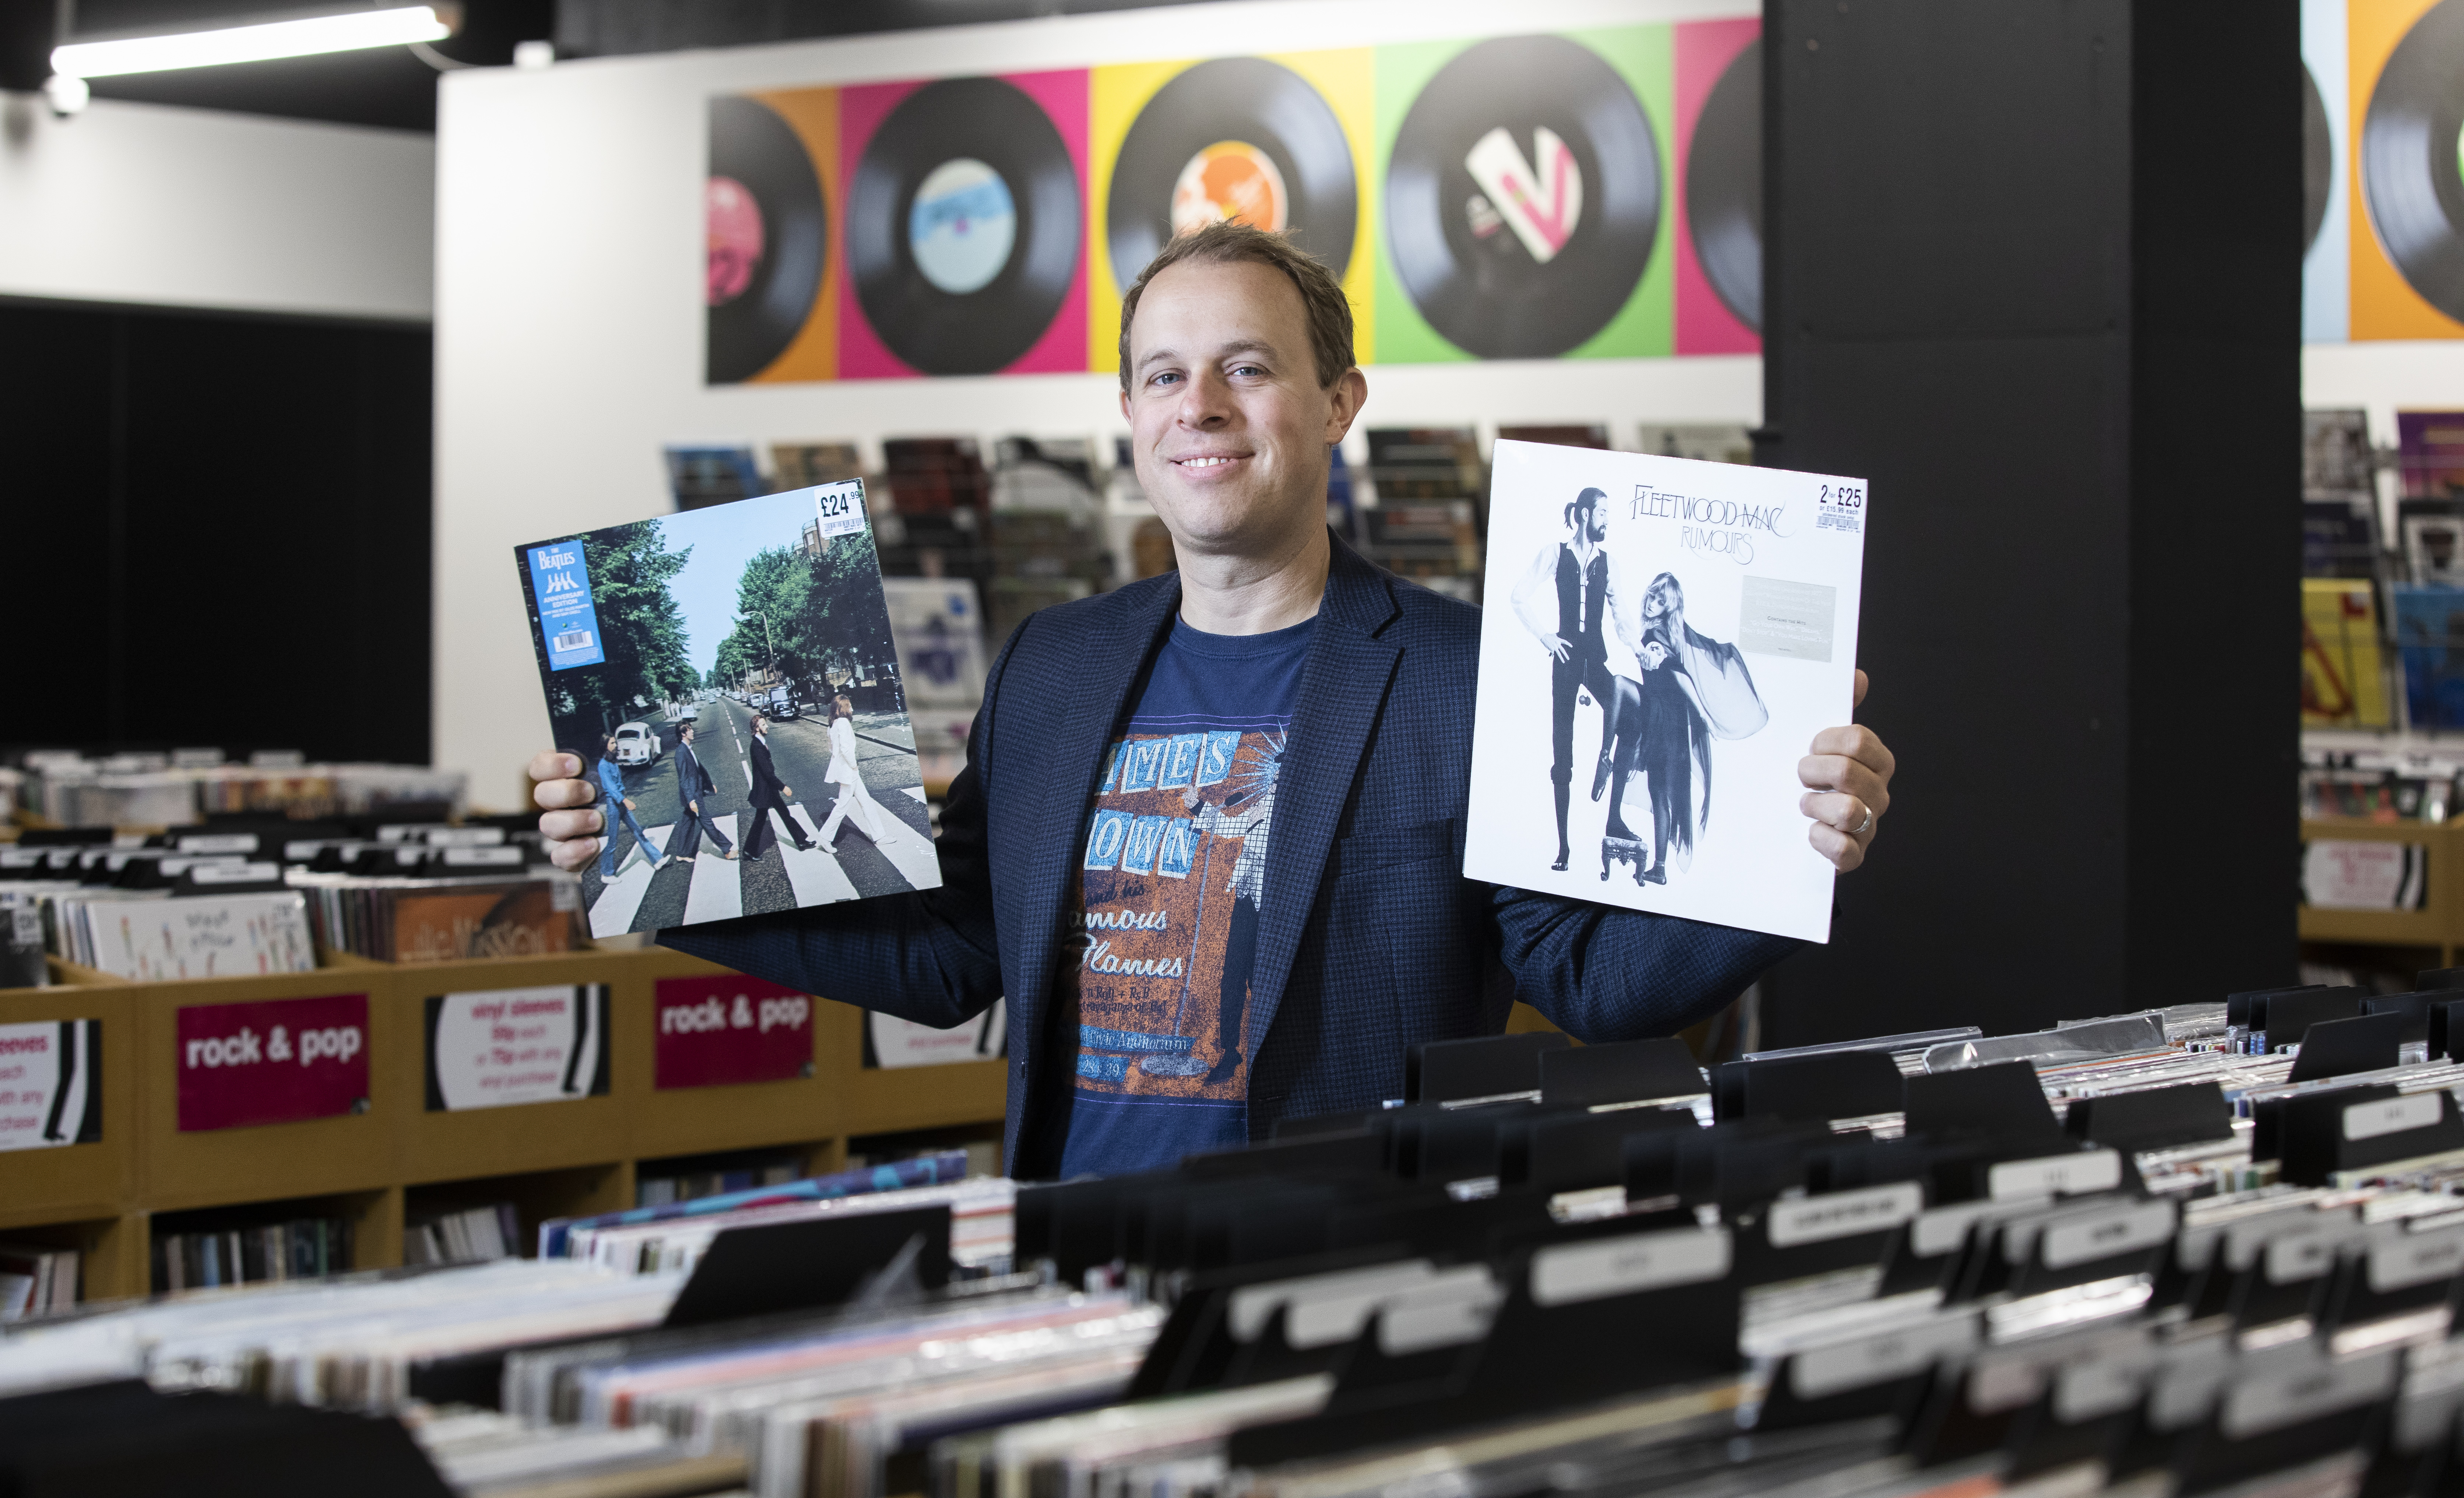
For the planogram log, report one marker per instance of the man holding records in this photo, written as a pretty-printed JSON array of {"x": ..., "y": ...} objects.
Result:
[{"x": 1176, "y": 984}]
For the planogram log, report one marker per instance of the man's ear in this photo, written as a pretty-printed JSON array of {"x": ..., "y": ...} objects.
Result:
[{"x": 1350, "y": 393}]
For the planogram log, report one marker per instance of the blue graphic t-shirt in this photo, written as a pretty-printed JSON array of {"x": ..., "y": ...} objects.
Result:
[{"x": 1171, "y": 873}]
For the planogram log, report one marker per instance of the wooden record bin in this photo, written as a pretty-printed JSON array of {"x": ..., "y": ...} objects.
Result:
[
  {"x": 395, "y": 1158},
  {"x": 2436, "y": 929}
]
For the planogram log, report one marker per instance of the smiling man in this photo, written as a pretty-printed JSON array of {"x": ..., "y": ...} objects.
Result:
[{"x": 1209, "y": 839}]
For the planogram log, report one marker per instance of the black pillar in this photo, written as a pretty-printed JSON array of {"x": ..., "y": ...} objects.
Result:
[{"x": 2033, "y": 268}]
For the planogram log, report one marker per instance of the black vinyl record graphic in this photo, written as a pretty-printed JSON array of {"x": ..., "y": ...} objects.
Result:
[
  {"x": 753, "y": 147},
  {"x": 1724, "y": 186},
  {"x": 2318, "y": 160},
  {"x": 1530, "y": 278},
  {"x": 1251, "y": 102},
  {"x": 964, "y": 225},
  {"x": 2410, "y": 168}
]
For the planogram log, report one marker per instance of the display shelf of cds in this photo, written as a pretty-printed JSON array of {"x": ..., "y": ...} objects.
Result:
[
  {"x": 380, "y": 1096},
  {"x": 2383, "y": 884}
]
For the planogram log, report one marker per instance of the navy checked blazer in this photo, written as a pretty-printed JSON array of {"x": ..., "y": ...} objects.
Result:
[{"x": 1370, "y": 939}]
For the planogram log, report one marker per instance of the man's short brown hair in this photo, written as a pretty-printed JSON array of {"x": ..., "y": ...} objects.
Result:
[{"x": 1224, "y": 242}]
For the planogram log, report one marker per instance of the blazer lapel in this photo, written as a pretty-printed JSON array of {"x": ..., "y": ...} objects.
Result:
[
  {"x": 1342, "y": 686},
  {"x": 1068, "y": 765}
]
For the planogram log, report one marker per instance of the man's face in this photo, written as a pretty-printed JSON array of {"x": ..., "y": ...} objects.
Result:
[
  {"x": 1595, "y": 522},
  {"x": 1229, "y": 423},
  {"x": 684, "y": 735}
]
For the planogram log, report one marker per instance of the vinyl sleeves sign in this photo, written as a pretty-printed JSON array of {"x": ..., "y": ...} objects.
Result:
[
  {"x": 716, "y": 1031},
  {"x": 890, "y": 1042},
  {"x": 279, "y": 1061},
  {"x": 511, "y": 1045},
  {"x": 51, "y": 1084}
]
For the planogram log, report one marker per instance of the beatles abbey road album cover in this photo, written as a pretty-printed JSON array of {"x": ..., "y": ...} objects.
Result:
[
  {"x": 1663, "y": 639},
  {"x": 726, "y": 675}
]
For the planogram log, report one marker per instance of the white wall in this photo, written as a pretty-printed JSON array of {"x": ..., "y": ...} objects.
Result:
[
  {"x": 2383, "y": 378},
  {"x": 155, "y": 205},
  {"x": 569, "y": 322}
]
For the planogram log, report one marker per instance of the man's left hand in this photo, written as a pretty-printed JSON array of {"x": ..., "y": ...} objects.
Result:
[{"x": 1848, "y": 777}]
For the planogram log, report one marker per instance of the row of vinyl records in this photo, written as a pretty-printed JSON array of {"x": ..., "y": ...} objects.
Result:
[
  {"x": 2132, "y": 1253},
  {"x": 36, "y": 1281},
  {"x": 222, "y": 902},
  {"x": 263, "y": 1253}
]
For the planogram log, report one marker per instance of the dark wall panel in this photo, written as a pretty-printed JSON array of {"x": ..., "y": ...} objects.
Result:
[
  {"x": 219, "y": 528},
  {"x": 2034, "y": 269}
]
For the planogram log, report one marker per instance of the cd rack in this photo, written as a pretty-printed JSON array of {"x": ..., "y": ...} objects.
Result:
[{"x": 394, "y": 1149}]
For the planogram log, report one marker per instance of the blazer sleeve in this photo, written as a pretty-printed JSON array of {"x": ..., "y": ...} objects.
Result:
[
  {"x": 1601, "y": 974},
  {"x": 930, "y": 956}
]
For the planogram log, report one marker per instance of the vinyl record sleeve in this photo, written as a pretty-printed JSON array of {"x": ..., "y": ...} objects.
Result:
[
  {"x": 1712, "y": 607},
  {"x": 662, "y": 641}
]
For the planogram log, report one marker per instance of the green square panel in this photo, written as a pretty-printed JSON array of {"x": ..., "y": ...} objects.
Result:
[{"x": 1642, "y": 325}]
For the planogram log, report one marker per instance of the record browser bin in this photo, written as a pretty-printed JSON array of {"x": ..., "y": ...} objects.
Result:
[
  {"x": 2437, "y": 926},
  {"x": 549, "y": 1158}
]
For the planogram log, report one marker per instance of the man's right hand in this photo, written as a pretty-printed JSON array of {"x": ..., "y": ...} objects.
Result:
[
  {"x": 1557, "y": 645},
  {"x": 568, "y": 822}
]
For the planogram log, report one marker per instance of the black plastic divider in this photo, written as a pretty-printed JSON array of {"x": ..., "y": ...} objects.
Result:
[
  {"x": 2003, "y": 1099},
  {"x": 2446, "y": 1026},
  {"x": 1853, "y": 1083},
  {"x": 2318, "y": 1135},
  {"x": 1355, "y": 1152},
  {"x": 1534, "y": 1358},
  {"x": 1578, "y": 1152},
  {"x": 2238, "y": 1006},
  {"x": 1619, "y": 1072},
  {"x": 2192, "y": 1113},
  {"x": 1445, "y": 1071},
  {"x": 2289, "y": 1017},
  {"x": 2341, "y": 1047},
  {"x": 2413, "y": 1007},
  {"x": 751, "y": 1272},
  {"x": 1197, "y": 1349},
  {"x": 125, "y": 1441}
]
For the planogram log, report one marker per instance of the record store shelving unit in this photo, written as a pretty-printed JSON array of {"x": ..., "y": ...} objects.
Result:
[
  {"x": 550, "y": 1159},
  {"x": 2437, "y": 928}
]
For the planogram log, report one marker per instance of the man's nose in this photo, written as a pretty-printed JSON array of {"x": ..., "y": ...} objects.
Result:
[{"x": 1205, "y": 403}]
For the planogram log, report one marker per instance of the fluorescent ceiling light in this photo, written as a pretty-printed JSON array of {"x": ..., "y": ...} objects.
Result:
[{"x": 300, "y": 38}]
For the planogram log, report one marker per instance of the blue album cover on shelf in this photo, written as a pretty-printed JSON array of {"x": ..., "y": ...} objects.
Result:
[{"x": 2430, "y": 638}]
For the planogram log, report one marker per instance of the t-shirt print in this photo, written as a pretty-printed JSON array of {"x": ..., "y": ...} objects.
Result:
[
  {"x": 1172, "y": 878},
  {"x": 1168, "y": 888}
]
